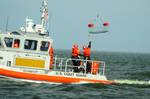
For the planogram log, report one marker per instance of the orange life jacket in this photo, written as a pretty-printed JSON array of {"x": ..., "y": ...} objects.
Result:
[
  {"x": 75, "y": 51},
  {"x": 86, "y": 52},
  {"x": 16, "y": 45}
]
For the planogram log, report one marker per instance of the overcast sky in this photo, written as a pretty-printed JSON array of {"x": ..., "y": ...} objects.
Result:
[{"x": 129, "y": 22}]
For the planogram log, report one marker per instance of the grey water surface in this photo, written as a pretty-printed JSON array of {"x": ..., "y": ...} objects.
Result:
[{"x": 132, "y": 67}]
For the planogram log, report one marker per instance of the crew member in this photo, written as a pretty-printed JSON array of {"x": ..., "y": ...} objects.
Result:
[
  {"x": 86, "y": 55},
  {"x": 87, "y": 51},
  {"x": 75, "y": 57},
  {"x": 16, "y": 44}
]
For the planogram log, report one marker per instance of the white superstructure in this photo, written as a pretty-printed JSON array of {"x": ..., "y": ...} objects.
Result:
[{"x": 28, "y": 54}]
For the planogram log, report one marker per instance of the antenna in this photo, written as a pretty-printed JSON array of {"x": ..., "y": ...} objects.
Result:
[
  {"x": 50, "y": 23},
  {"x": 0, "y": 24},
  {"x": 7, "y": 20}
]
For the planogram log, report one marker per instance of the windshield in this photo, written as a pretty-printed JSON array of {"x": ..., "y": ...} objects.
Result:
[
  {"x": 8, "y": 41},
  {"x": 30, "y": 44},
  {"x": 44, "y": 46}
]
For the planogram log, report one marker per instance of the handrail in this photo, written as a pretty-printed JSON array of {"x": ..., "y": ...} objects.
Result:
[{"x": 66, "y": 64}]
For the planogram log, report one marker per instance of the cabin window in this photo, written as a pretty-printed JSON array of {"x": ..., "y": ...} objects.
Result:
[
  {"x": 44, "y": 46},
  {"x": 16, "y": 43},
  {"x": 30, "y": 44},
  {"x": 8, "y": 41}
]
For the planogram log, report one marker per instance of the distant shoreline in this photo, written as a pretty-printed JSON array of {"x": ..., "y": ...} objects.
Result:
[{"x": 122, "y": 52}]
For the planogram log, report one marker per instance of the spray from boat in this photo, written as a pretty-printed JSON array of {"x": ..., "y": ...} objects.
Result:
[{"x": 131, "y": 82}]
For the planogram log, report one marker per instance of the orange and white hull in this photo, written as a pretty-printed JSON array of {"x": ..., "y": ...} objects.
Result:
[{"x": 51, "y": 77}]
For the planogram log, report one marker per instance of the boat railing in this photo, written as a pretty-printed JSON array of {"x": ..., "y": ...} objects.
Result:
[{"x": 83, "y": 66}]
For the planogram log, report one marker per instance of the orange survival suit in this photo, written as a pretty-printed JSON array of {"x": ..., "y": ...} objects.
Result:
[{"x": 75, "y": 57}]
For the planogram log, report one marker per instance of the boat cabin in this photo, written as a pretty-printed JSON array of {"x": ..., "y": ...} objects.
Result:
[
  {"x": 25, "y": 50},
  {"x": 26, "y": 43}
]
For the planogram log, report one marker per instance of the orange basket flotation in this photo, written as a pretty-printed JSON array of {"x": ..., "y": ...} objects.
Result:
[{"x": 95, "y": 68}]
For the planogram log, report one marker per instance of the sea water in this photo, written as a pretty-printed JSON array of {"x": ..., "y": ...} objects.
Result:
[{"x": 130, "y": 71}]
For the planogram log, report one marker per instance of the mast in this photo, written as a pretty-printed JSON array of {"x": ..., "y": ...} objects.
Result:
[
  {"x": 44, "y": 11},
  {"x": 7, "y": 20}
]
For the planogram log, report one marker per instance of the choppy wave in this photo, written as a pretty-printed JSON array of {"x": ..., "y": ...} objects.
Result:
[{"x": 122, "y": 68}]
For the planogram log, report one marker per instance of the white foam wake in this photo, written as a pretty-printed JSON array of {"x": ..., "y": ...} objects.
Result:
[{"x": 132, "y": 82}]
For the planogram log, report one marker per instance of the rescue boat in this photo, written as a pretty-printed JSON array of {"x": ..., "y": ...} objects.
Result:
[{"x": 28, "y": 54}]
